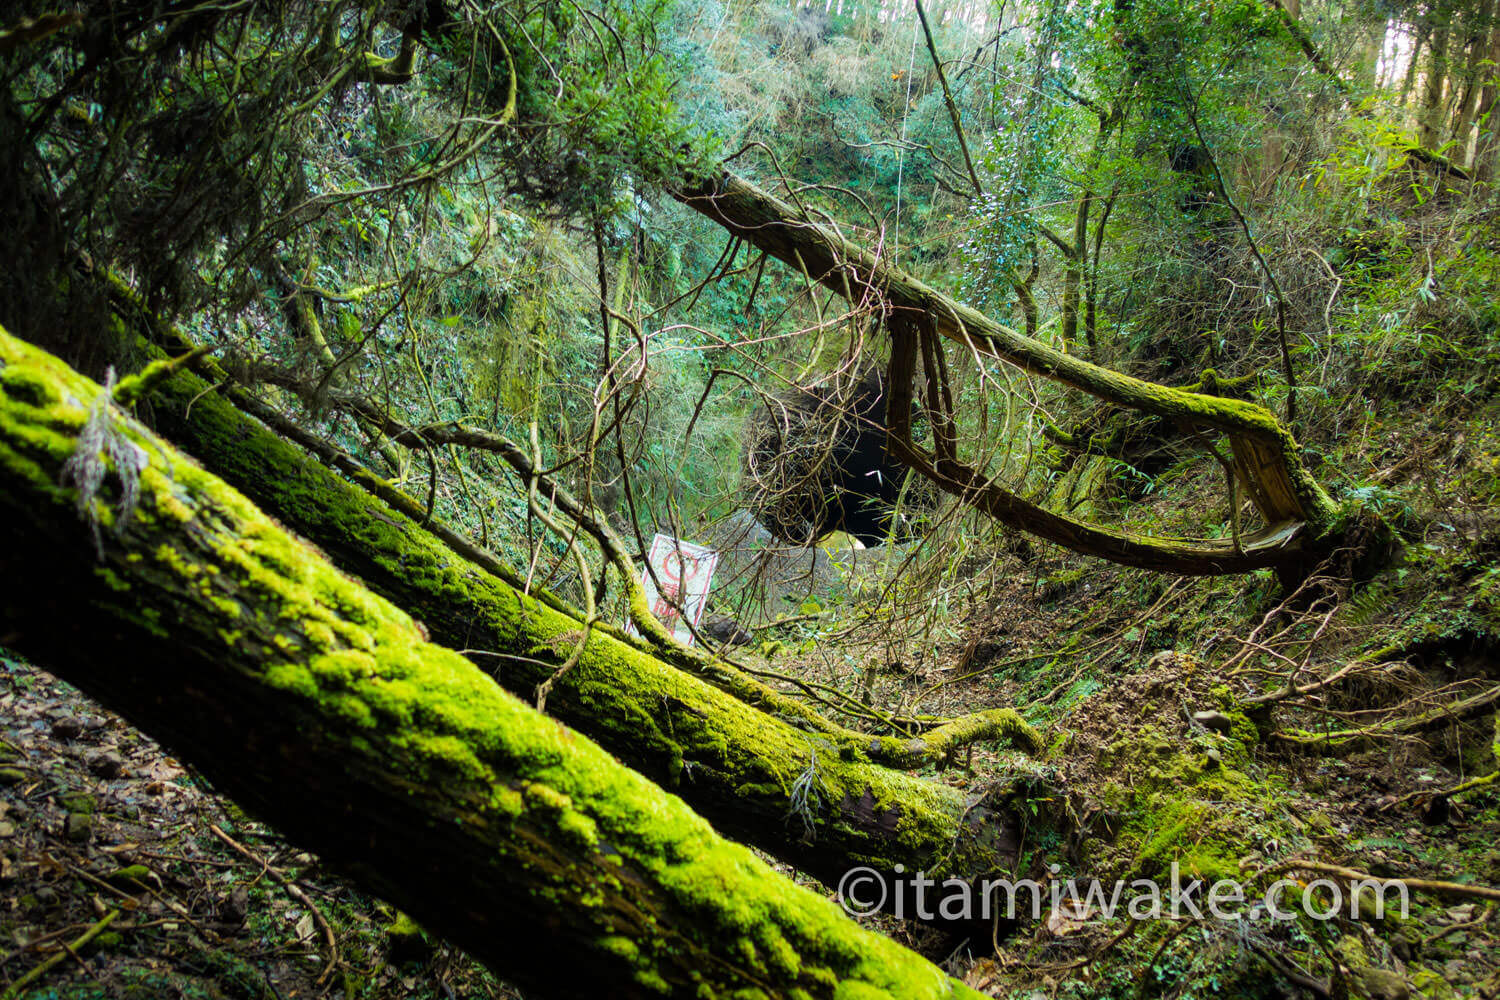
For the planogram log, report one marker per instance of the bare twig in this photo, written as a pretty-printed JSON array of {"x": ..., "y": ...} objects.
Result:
[{"x": 293, "y": 890}]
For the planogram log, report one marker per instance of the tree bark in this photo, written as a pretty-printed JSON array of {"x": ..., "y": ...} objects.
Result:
[
  {"x": 1420, "y": 36},
  {"x": 324, "y": 708},
  {"x": 1432, "y": 117},
  {"x": 735, "y": 763},
  {"x": 1477, "y": 31},
  {"x": 1266, "y": 458},
  {"x": 1487, "y": 146}
]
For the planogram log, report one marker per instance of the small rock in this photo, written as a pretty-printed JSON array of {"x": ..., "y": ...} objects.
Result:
[
  {"x": 1381, "y": 984},
  {"x": 79, "y": 827},
  {"x": 106, "y": 764},
  {"x": 11, "y": 775},
  {"x": 1212, "y": 758},
  {"x": 7, "y": 829},
  {"x": 46, "y": 897},
  {"x": 727, "y": 631},
  {"x": 1461, "y": 914},
  {"x": 236, "y": 906},
  {"x": 67, "y": 728},
  {"x": 1215, "y": 720}
]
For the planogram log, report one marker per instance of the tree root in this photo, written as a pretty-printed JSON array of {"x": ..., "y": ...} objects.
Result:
[
  {"x": 1452, "y": 712},
  {"x": 1436, "y": 887}
]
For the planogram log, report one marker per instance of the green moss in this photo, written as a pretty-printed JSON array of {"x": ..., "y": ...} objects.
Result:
[
  {"x": 353, "y": 710},
  {"x": 448, "y": 753},
  {"x": 79, "y": 802},
  {"x": 617, "y": 944},
  {"x": 293, "y": 678},
  {"x": 112, "y": 579},
  {"x": 465, "y": 743},
  {"x": 129, "y": 876},
  {"x": 1429, "y": 984},
  {"x": 406, "y": 940},
  {"x": 1183, "y": 806}
]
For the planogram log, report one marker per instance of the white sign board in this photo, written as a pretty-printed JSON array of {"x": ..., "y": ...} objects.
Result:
[{"x": 684, "y": 570}]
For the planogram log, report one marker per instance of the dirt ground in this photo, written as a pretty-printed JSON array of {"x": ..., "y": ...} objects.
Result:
[{"x": 123, "y": 875}]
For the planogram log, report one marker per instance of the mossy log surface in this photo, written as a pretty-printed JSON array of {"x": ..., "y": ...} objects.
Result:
[
  {"x": 735, "y": 764},
  {"x": 1266, "y": 458},
  {"x": 325, "y": 708}
]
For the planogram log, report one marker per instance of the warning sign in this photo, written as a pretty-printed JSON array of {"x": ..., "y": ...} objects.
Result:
[{"x": 684, "y": 570}]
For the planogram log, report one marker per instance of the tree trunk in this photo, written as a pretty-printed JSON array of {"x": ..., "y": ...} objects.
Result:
[
  {"x": 735, "y": 764},
  {"x": 1073, "y": 273},
  {"x": 1370, "y": 45},
  {"x": 1487, "y": 146},
  {"x": 1419, "y": 42},
  {"x": 1287, "y": 12},
  {"x": 1477, "y": 33},
  {"x": 323, "y": 708},
  {"x": 1437, "y": 78},
  {"x": 1266, "y": 457}
]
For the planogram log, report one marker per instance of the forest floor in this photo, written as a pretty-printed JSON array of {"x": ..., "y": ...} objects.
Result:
[
  {"x": 98, "y": 822},
  {"x": 1118, "y": 667},
  {"x": 122, "y": 874}
]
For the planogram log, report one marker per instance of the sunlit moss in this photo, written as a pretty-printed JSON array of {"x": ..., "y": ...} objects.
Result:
[{"x": 445, "y": 725}]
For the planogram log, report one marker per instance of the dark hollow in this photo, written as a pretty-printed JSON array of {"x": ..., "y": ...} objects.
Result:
[{"x": 820, "y": 465}]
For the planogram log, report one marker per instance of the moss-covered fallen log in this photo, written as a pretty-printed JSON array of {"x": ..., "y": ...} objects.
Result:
[
  {"x": 325, "y": 708},
  {"x": 808, "y": 797}
]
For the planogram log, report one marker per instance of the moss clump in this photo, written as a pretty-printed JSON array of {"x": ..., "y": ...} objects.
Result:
[
  {"x": 1189, "y": 799},
  {"x": 79, "y": 802},
  {"x": 1430, "y": 985},
  {"x": 131, "y": 877},
  {"x": 406, "y": 941}
]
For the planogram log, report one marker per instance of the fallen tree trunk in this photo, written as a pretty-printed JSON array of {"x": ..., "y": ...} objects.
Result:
[
  {"x": 1265, "y": 457},
  {"x": 735, "y": 764},
  {"x": 325, "y": 709}
]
